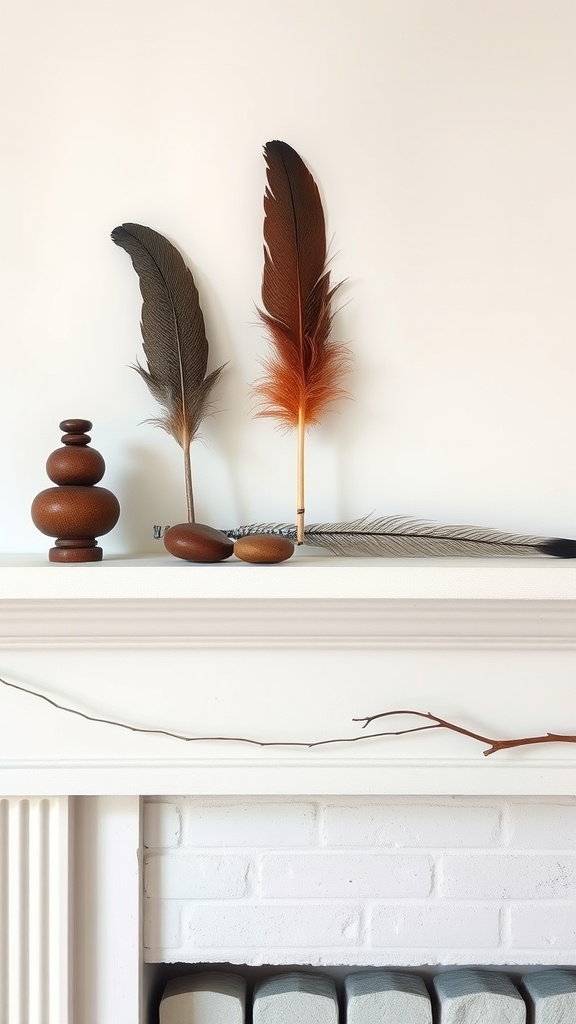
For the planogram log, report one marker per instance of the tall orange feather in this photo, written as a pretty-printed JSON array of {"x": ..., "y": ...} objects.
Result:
[{"x": 304, "y": 372}]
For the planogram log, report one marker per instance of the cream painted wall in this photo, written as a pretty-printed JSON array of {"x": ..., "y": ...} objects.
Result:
[{"x": 443, "y": 135}]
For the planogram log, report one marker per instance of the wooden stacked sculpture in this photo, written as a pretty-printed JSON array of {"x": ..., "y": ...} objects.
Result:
[{"x": 76, "y": 512}]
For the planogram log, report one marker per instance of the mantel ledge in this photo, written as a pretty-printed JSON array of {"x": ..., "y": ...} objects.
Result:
[
  {"x": 160, "y": 602},
  {"x": 305, "y": 577}
]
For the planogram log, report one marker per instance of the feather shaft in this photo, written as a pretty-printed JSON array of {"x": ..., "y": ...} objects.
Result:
[
  {"x": 173, "y": 336},
  {"x": 300, "y": 487},
  {"x": 399, "y": 536},
  {"x": 188, "y": 483}
]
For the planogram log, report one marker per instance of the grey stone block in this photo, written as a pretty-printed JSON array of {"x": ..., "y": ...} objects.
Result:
[
  {"x": 386, "y": 997},
  {"x": 210, "y": 998},
  {"x": 296, "y": 998},
  {"x": 478, "y": 997},
  {"x": 551, "y": 995}
]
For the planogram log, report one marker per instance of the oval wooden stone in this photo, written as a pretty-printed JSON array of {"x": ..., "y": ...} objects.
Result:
[
  {"x": 195, "y": 542},
  {"x": 265, "y": 548}
]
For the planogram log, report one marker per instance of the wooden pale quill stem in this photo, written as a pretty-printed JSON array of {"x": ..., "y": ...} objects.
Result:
[{"x": 305, "y": 369}]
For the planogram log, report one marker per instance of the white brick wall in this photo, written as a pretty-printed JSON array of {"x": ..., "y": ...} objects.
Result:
[{"x": 356, "y": 881}]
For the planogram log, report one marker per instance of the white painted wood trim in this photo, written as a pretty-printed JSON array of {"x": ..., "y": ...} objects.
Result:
[
  {"x": 305, "y": 777},
  {"x": 107, "y": 909},
  {"x": 302, "y": 578},
  {"x": 353, "y": 624},
  {"x": 35, "y": 948},
  {"x": 301, "y": 624}
]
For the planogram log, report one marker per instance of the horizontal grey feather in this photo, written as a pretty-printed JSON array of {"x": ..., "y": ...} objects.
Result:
[{"x": 399, "y": 536}]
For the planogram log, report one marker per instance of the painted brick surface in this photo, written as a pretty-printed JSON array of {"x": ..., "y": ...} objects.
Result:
[
  {"x": 543, "y": 825},
  {"x": 257, "y": 823},
  {"x": 162, "y": 825},
  {"x": 162, "y": 928},
  {"x": 549, "y": 925},
  {"x": 256, "y": 925},
  {"x": 347, "y": 875},
  {"x": 379, "y": 882},
  {"x": 186, "y": 876},
  {"x": 436, "y": 925},
  {"x": 533, "y": 876},
  {"x": 411, "y": 824}
]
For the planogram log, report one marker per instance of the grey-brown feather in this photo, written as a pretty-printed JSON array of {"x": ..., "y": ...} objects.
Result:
[
  {"x": 173, "y": 332},
  {"x": 399, "y": 536}
]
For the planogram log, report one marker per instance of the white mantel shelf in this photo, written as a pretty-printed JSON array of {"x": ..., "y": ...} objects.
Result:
[{"x": 32, "y": 577}]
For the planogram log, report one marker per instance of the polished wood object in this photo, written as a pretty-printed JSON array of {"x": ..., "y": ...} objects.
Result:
[
  {"x": 196, "y": 542},
  {"x": 76, "y": 512}
]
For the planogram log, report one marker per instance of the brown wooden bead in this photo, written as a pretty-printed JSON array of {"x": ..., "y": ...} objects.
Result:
[
  {"x": 75, "y": 512},
  {"x": 84, "y": 466},
  {"x": 83, "y": 542},
  {"x": 68, "y": 551},
  {"x": 195, "y": 542},
  {"x": 87, "y": 554},
  {"x": 76, "y": 439},
  {"x": 75, "y": 426},
  {"x": 265, "y": 548}
]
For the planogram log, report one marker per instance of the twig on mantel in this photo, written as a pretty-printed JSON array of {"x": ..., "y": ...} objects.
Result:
[{"x": 494, "y": 745}]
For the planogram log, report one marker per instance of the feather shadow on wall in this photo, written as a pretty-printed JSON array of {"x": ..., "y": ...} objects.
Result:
[{"x": 174, "y": 339}]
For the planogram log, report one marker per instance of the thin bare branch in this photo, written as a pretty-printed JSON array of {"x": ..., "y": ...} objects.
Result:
[
  {"x": 441, "y": 723},
  {"x": 202, "y": 739},
  {"x": 493, "y": 745}
]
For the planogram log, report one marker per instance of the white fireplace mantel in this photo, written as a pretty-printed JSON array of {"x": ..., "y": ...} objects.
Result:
[
  {"x": 289, "y": 652},
  {"x": 294, "y": 651}
]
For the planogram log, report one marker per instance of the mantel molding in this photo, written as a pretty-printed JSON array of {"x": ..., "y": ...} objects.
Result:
[
  {"x": 301, "y": 624},
  {"x": 46, "y": 643},
  {"x": 305, "y": 777}
]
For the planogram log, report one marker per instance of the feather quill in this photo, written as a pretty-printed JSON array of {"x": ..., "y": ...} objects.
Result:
[
  {"x": 174, "y": 338},
  {"x": 305, "y": 370},
  {"x": 399, "y": 536}
]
